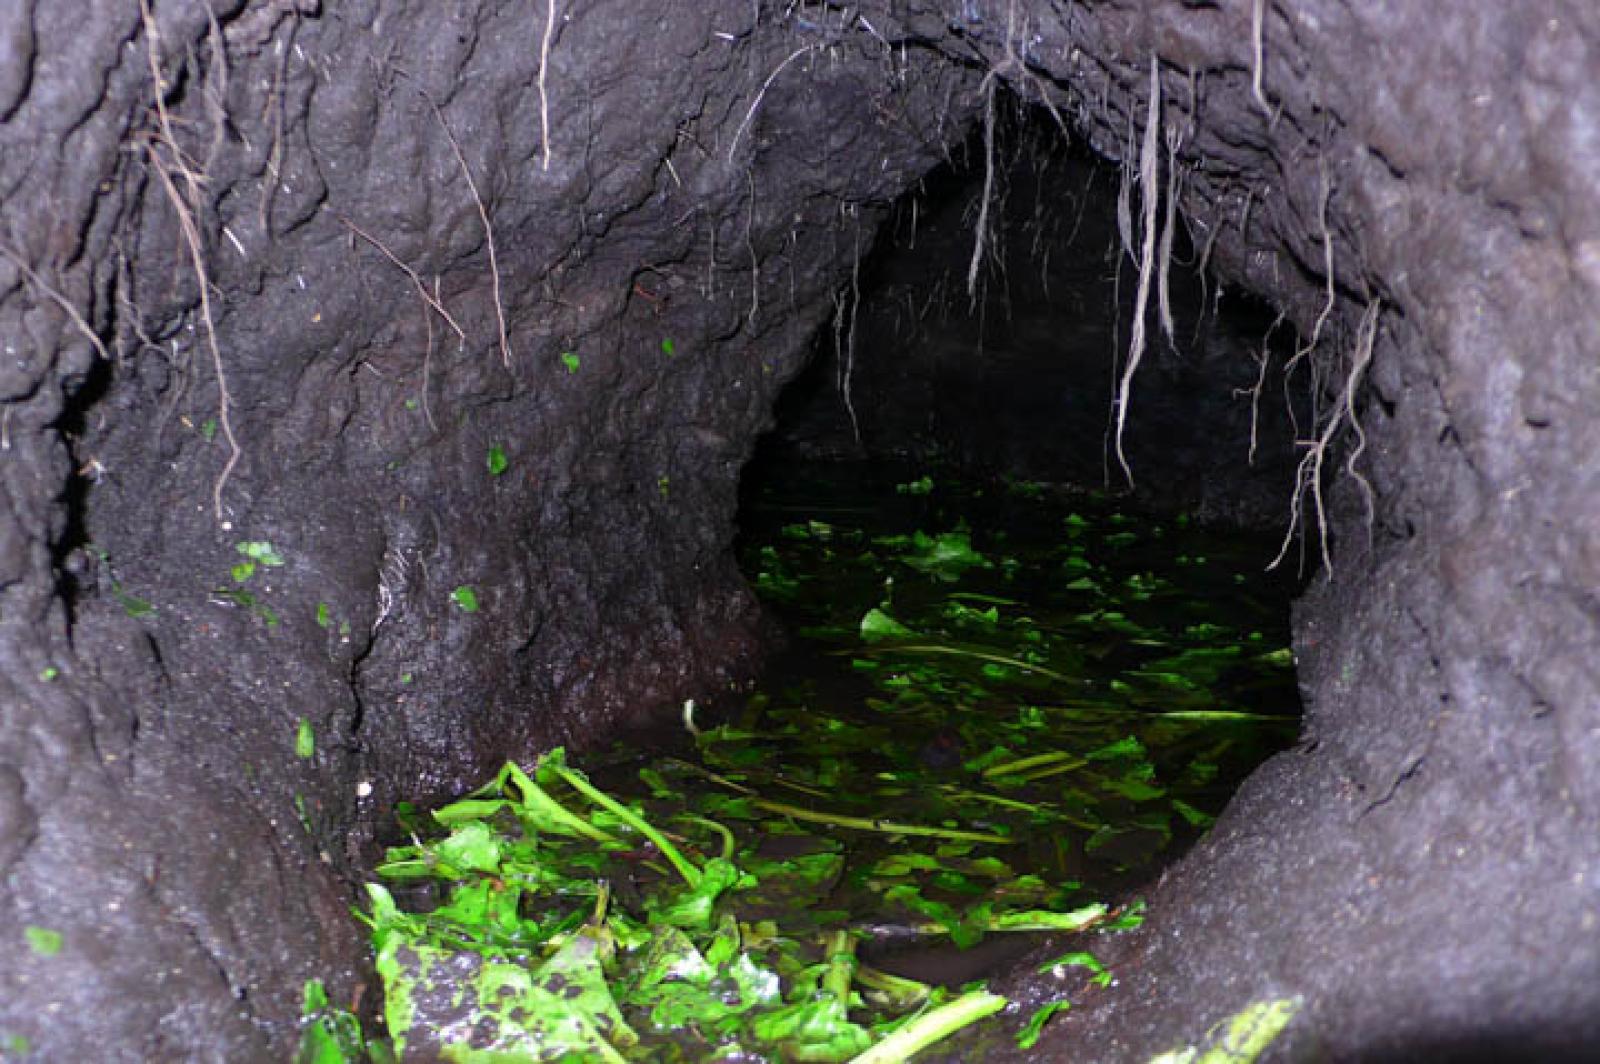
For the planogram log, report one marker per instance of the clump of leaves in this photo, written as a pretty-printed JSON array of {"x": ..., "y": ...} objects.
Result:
[{"x": 573, "y": 923}]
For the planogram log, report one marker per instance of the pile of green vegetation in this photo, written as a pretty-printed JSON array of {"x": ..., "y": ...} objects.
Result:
[{"x": 981, "y": 738}]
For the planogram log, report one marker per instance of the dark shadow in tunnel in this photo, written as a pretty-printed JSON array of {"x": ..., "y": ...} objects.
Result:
[{"x": 1016, "y": 380}]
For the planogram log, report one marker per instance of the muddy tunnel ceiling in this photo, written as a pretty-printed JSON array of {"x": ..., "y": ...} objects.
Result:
[{"x": 386, "y": 371}]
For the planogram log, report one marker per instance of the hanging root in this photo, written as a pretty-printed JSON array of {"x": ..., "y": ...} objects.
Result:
[
  {"x": 184, "y": 207},
  {"x": 488, "y": 231},
  {"x": 981, "y": 237},
  {"x": 1308, "y": 475},
  {"x": 844, "y": 341},
  {"x": 430, "y": 301},
  {"x": 1147, "y": 182},
  {"x": 1169, "y": 225},
  {"x": 1327, "y": 273},
  {"x": 1258, "y": 25},
  {"x": 42, "y": 289},
  {"x": 756, "y": 103},
  {"x": 544, "y": 66},
  {"x": 1261, "y": 380}
]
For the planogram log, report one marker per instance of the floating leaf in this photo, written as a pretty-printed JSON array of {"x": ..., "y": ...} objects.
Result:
[{"x": 877, "y": 625}]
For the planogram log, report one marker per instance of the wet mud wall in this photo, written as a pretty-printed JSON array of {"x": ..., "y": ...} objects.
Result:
[
  {"x": 377, "y": 375},
  {"x": 1437, "y": 172}
]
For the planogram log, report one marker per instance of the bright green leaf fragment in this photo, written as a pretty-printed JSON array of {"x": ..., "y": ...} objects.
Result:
[
  {"x": 1078, "y": 959},
  {"x": 243, "y": 571},
  {"x": 42, "y": 940},
  {"x": 945, "y": 556},
  {"x": 132, "y": 605},
  {"x": 259, "y": 550},
  {"x": 497, "y": 460},
  {"x": 324, "y": 615},
  {"x": 466, "y": 598},
  {"x": 305, "y": 741},
  {"x": 933, "y": 1026},
  {"x": 1250, "y": 1030},
  {"x": 208, "y": 428},
  {"x": 1241, "y": 1038},
  {"x": 877, "y": 625},
  {"x": 571, "y": 360},
  {"x": 332, "y": 1035},
  {"x": 921, "y": 486},
  {"x": 1028, "y": 1037},
  {"x": 669, "y": 348},
  {"x": 49, "y": 673}
]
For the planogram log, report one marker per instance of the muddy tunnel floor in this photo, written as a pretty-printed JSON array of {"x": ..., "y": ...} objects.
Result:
[{"x": 1001, "y": 709}]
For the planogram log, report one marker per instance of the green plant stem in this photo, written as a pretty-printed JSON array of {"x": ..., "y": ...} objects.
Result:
[
  {"x": 1051, "y": 758},
  {"x": 965, "y": 652},
  {"x": 579, "y": 783},
  {"x": 932, "y": 1026},
  {"x": 886, "y": 827}
]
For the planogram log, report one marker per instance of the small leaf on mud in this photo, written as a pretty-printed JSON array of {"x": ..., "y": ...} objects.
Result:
[
  {"x": 132, "y": 605},
  {"x": 669, "y": 348},
  {"x": 497, "y": 460},
  {"x": 571, "y": 360},
  {"x": 42, "y": 940},
  {"x": 305, "y": 740},
  {"x": 466, "y": 598},
  {"x": 1029, "y": 1035},
  {"x": 259, "y": 550},
  {"x": 324, "y": 615}
]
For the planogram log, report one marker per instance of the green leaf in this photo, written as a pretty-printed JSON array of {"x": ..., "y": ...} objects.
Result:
[
  {"x": 472, "y": 847},
  {"x": 877, "y": 625},
  {"x": 466, "y": 598},
  {"x": 331, "y": 1035},
  {"x": 571, "y": 360},
  {"x": 497, "y": 460},
  {"x": 260, "y": 550},
  {"x": 945, "y": 556},
  {"x": 669, "y": 348},
  {"x": 1079, "y": 959},
  {"x": 1249, "y": 1032},
  {"x": 42, "y": 940},
  {"x": 305, "y": 741},
  {"x": 1028, "y": 1037},
  {"x": 243, "y": 571},
  {"x": 921, "y": 486},
  {"x": 132, "y": 605},
  {"x": 324, "y": 615}
]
